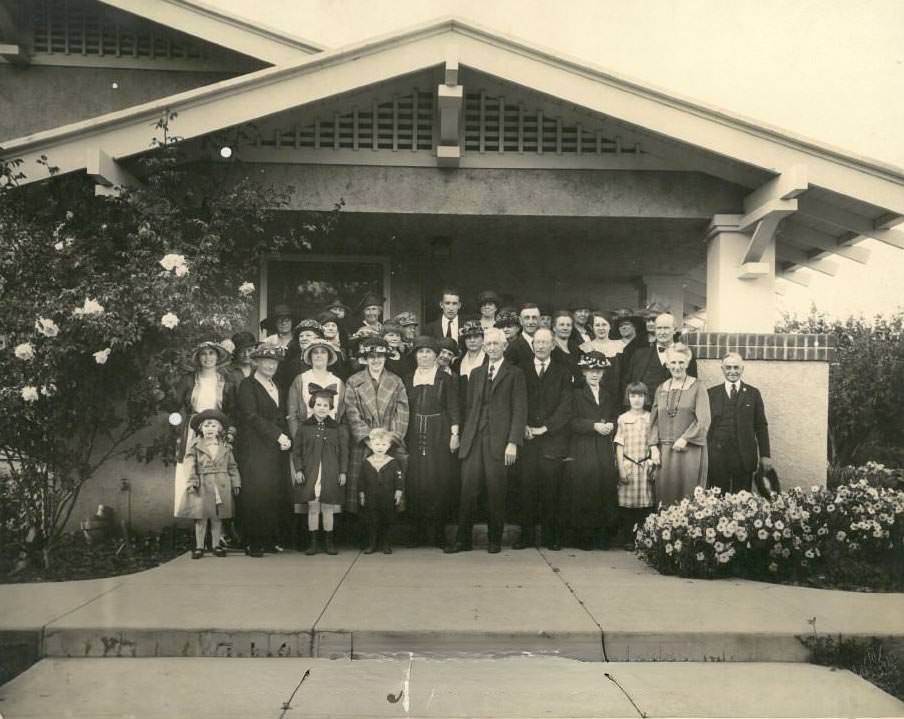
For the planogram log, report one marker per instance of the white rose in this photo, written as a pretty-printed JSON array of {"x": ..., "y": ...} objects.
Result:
[
  {"x": 25, "y": 351},
  {"x": 246, "y": 289},
  {"x": 58, "y": 246},
  {"x": 90, "y": 307},
  {"x": 169, "y": 320},
  {"x": 175, "y": 262},
  {"x": 102, "y": 356},
  {"x": 46, "y": 327},
  {"x": 48, "y": 390},
  {"x": 30, "y": 393}
]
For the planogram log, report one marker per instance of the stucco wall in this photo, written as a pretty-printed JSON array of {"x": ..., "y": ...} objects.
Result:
[
  {"x": 37, "y": 98},
  {"x": 796, "y": 395}
]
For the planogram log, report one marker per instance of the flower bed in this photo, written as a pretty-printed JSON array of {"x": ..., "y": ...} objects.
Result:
[{"x": 848, "y": 537}]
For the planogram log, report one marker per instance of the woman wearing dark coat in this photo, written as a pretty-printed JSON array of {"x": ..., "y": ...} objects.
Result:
[
  {"x": 591, "y": 477},
  {"x": 263, "y": 444},
  {"x": 432, "y": 437}
]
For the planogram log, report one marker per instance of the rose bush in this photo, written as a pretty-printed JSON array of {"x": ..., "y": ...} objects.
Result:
[
  {"x": 101, "y": 300},
  {"x": 851, "y": 535}
]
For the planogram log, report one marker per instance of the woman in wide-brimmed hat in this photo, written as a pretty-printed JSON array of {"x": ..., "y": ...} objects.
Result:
[
  {"x": 374, "y": 398},
  {"x": 278, "y": 325},
  {"x": 263, "y": 444},
  {"x": 207, "y": 386},
  {"x": 591, "y": 479},
  {"x": 432, "y": 438}
]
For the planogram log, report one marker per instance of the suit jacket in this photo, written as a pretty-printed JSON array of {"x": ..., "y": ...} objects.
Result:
[
  {"x": 435, "y": 328},
  {"x": 519, "y": 352},
  {"x": 507, "y": 410},
  {"x": 549, "y": 404},
  {"x": 750, "y": 420},
  {"x": 645, "y": 367}
]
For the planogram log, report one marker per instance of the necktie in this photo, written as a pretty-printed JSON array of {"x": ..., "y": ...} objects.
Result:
[
  {"x": 734, "y": 392},
  {"x": 542, "y": 370},
  {"x": 449, "y": 328},
  {"x": 491, "y": 373}
]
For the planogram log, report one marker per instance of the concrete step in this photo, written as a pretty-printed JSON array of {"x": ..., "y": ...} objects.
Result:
[
  {"x": 594, "y": 606},
  {"x": 514, "y": 687}
]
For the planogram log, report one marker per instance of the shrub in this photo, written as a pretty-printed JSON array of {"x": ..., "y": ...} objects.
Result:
[
  {"x": 853, "y": 534},
  {"x": 876, "y": 475}
]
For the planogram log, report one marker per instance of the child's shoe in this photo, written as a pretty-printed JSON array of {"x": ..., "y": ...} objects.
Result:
[
  {"x": 219, "y": 552},
  {"x": 330, "y": 546},
  {"x": 197, "y": 553},
  {"x": 312, "y": 545}
]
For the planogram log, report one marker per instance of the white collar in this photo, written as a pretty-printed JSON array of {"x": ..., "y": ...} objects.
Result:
[
  {"x": 425, "y": 376},
  {"x": 538, "y": 362},
  {"x": 447, "y": 321},
  {"x": 496, "y": 365},
  {"x": 728, "y": 386}
]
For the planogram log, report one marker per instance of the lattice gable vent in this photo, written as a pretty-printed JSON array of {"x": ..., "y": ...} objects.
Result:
[
  {"x": 494, "y": 121},
  {"x": 404, "y": 122},
  {"x": 85, "y": 27}
]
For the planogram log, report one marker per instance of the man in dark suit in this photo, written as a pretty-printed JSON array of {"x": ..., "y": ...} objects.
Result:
[
  {"x": 448, "y": 324},
  {"x": 549, "y": 410},
  {"x": 738, "y": 438},
  {"x": 648, "y": 364},
  {"x": 495, "y": 417},
  {"x": 520, "y": 351}
]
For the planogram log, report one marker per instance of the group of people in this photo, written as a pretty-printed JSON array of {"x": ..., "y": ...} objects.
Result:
[{"x": 580, "y": 424}]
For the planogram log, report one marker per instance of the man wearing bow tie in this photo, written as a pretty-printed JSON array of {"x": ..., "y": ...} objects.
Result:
[
  {"x": 739, "y": 434},
  {"x": 648, "y": 364}
]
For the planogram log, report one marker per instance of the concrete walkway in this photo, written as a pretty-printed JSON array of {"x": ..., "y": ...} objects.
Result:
[
  {"x": 512, "y": 687},
  {"x": 591, "y": 606}
]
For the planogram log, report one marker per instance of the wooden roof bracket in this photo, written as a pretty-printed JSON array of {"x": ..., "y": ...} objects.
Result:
[{"x": 450, "y": 101}]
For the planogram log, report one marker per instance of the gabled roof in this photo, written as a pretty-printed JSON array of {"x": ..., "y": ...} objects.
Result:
[
  {"x": 222, "y": 28},
  {"x": 330, "y": 73}
]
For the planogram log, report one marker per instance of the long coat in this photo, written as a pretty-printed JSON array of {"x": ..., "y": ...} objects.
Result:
[
  {"x": 549, "y": 405},
  {"x": 750, "y": 419},
  {"x": 507, "y": 409},
  {"x": 591, "y": 479},
  {"x": 321, "y": 448},
  {"x": 263, "y": 466},
  {"x": 182, "y": 400},
  {"x": 433, "y": 410},
  {"x": 216, "y": 477},
  {"x": 367, "y": 409}
]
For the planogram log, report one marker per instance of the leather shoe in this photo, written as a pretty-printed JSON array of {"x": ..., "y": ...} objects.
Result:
[
  {"x": 453, "y": 548},
  {"x": 494, "y": 548}
]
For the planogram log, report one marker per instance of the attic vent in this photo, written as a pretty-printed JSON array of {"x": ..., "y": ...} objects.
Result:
[
  {"x": 82, "y": 27},
  {"x": 493, "y": 125},
  {"x": 403, "y": 123}
]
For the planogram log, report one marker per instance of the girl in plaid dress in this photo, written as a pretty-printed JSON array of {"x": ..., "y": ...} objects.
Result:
[{"x": 635, "y": 466}]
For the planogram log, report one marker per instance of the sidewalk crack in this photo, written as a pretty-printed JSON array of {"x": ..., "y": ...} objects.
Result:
[
  {"x": 641, "y": 714},
  {"x": 330, "y": 600},
  {"x": 580, "y": 602}
]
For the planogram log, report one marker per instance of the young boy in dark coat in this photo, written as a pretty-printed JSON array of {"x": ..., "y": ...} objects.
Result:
[{"x": 382, "y": 486}]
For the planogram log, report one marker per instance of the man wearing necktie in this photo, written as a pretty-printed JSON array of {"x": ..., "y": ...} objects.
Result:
[
  {"x": 739, "y": 434},
  {"x": 495, "y": 416},
  {"x": 648, "y": 364},
  {"x": 447, "y": 326},
  {"x": 549, "y": 411}
]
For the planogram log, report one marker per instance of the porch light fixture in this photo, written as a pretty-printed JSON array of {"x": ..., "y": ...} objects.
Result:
[{"x": 225, "y": 152}]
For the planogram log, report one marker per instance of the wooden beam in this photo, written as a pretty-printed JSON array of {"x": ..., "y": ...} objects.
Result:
[
  {"x": 451, "y": 72},
  {"x": 108, "y": 174},
  {"x": 786, "y": 186},
  {"x": 850, "y": 221},
  {"x": 15, "y": 54},
  {"x": 797, "y": 277},
  {"x": 799, "y": 257},
  {"x": 806, "y": 237},
  {"x": 752, "y": 270},
  {"x": 448, "y": 155},
  {"x": 779, "y": 208}
]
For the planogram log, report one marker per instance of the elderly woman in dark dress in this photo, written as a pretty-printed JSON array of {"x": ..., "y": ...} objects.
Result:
[
  {"x": 263, "y": 443},
  {"x": 432, "y": 438},
  {"x": 678, "y": 427},
  {"x": 591, "y": 477}
]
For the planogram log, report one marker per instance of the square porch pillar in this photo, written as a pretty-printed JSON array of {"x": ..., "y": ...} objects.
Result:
[{"x": 740, "y": 296}]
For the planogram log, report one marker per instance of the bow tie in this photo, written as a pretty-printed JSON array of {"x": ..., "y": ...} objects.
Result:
[
  {"x": 314, "y": 387},
  {"x": 660, "y": 349}
]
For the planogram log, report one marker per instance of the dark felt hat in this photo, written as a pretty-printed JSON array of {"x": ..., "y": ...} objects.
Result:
[
  {"x": 447, "y": 343},
  {"x": 580, "y": 303},
  {"x": 392, "y": 327},
  {"x": 488, "y": 296},
  {"x": 209, "y": 414},
  {"x": 243, "y": 340},
  {"x": 279, "y": 311},
  {"x": 339, "y": 305},
  {"x": 372, "y": 299},
  {"x": 425, "y": 342}
]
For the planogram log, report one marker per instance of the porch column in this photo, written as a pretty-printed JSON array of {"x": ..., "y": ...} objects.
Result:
[
  {"x": 667, "y": 290},
  {"x": 739, "y": 297}
]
